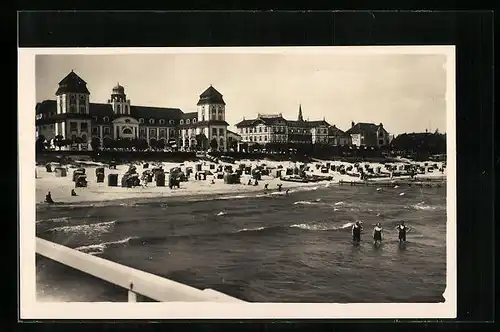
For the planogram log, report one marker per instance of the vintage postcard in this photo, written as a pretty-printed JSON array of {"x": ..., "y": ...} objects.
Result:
[{"x": 297, "y": 182}]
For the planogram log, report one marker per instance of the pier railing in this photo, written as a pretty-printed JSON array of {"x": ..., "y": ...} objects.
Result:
[{"x": 134, "y": 281}]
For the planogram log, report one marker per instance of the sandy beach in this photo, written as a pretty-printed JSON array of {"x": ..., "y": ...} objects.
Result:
[{"x": 60, "y": 187}]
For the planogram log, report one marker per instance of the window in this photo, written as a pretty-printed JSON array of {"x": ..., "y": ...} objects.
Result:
[
  {"x": 73, "y": 137},
  {"x": 162, "y": 132},
  {"x": 84, "y": 126},
  {"x": 151, "y": 121},
  {"x": 152, "y": 132},
  {"x": 127, "y": 131},
  {"x": 194, "y": 120},
  {"x": 141, "y": 120},
  {"x": 162, "y": 121},
  {"x": 171, "y": 121},
  {"x": 95, "y": 130},
  {"x": 380, "y": 141},
  {"x": 142, "y": 132},
  {"x": 171, "y": 132},
  {"x": 84, "y": 138},
  {"x": 221, "y": 131},
  {"x": 127, "y": 120},
  {"x": 106, "y": 119},
  {"x": 73, "y": 126},
  {"x": 265, "y": 138},
  {"x": 181, "y": 122},
  {"x": 107, "y": 130},
  {"x": 72, "y": 108},
  {"x": 126, "y": 108},
  {"x": 260, "y": 129},
  {"x": 118, "y": 108},
  {"x": 214, "y": 131},
  {"x": 83, "y": 109},
  {"x": 187, "y": 121},
  {"x": 82, "y": 97}
]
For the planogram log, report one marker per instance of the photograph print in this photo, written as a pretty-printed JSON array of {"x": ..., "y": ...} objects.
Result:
[{"x": 222, "y": 177}]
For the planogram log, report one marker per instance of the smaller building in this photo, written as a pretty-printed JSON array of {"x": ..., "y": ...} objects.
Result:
[
  {"x": 232, "y": 140},
  {"x": 368, "y": 134},
  {"x": 337, "y": 137}
]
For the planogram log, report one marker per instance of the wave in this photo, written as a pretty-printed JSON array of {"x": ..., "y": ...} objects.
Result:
[
  {"x": 322, "y": 226},
  {"x": 55, "y": 220},
  {"x": 95, "y": 249},
  {"x": 423, "y": 206},
  {"x": 250, "y": 229},
  {"x": 222, "y": 213},
  {"x": 304, "y": 203},
  {"x": 101, "y": 227}
]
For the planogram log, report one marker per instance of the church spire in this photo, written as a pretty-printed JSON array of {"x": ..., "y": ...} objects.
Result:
[{"x": 300, "y": 118}]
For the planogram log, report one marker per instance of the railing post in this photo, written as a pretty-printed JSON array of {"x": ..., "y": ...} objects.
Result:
[{"x": 132, "y": 296}]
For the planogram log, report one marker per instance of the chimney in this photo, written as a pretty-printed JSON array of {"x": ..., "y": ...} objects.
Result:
[
  {"x": 352, "y": 123},
  {"x": 381, "y": 125}
]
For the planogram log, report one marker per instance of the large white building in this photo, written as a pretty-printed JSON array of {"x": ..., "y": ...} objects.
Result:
[{"x": 72, "y": 116}]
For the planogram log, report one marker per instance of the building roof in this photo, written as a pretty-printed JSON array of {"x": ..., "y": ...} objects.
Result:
[
  {"x": 190, "y": 115},
  {"x": 156, "y": 112},
  {"x": 46, "y": 107},
  {"x": 211, "y": 96},
  {"x": 297, "y": 124},
  {"x": 363, "y": 127},
  {"x": 72, "y": 83},
  {"x": 232, "y": 133},
  {"x": 334, "y": 131},
  {"x": 318, "y": 123}
]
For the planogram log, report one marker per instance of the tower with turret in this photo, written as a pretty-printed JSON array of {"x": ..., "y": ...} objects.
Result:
[
  {"x": 119, "y": 101},
  {"x": 212, "y": 123}
]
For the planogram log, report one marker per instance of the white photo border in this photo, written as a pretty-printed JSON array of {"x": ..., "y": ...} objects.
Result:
[{"x": 31, "y": 309}]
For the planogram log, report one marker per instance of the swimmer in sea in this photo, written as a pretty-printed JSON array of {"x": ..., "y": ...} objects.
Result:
[
  {"x": 403, "y": 229},
  {"x": 377, "y": 234},
  {"x": 287, "y": 191},
  {"x": 356, "y": 232}
]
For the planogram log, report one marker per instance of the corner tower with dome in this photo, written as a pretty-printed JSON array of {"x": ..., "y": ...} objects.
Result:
[{"x": 74, "y": 119}]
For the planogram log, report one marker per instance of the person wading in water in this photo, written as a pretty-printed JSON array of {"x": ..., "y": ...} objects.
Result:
[
  {"x": 377, "y": 234},
  {"x": 402, "y": 232},
  {"x": 356, "y": 232}
]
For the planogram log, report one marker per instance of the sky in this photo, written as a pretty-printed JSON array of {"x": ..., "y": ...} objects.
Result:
[{"x": 405, "y": 92}]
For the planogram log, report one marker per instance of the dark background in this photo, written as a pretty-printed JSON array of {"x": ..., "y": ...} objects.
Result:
[{"x": 471, "y": 32}]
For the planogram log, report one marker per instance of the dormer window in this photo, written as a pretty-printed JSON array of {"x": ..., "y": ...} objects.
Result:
[
  {"x": 194, "y": 120},
  {"x": 82, "y": 97},
  {"x": 162, "y": 121},
  {"x": 181, "y": 122},
  {"x": 127, "y": 120},
  {"x": 171, "y": 121},
  {"x": 106, "y": 119},
  {"x": 187, "y": 121},
  {"x": 151, "y": 121},
  {"x": 141, "y": 120}
]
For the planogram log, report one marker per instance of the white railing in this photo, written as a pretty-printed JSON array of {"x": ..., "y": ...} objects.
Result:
[{"x": 135, "y": 281}]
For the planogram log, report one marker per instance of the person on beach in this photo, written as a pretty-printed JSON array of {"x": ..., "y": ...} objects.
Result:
[
  {"x": 287, "y": 191},
  {"x": 265, "y": 186},
  {"x": 48, "y": 198},
  {"x": 402, "y": 229},
  {"x": 356, "y": 232},
  {"x": 377, "y": 234},
  {"x": 73, "y": 193},
  {"x": 279, "y": 186}
]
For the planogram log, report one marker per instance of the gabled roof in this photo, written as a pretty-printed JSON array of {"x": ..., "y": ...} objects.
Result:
[
  {"x": 334, "y": 131},
  {"x": 232, "y": 133},
  {"x": 211, "y": 96},
  {"x": 245, "y": 123},
  {"x": 363, "y": 127},
  {"x": 72, "y": 83}
]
